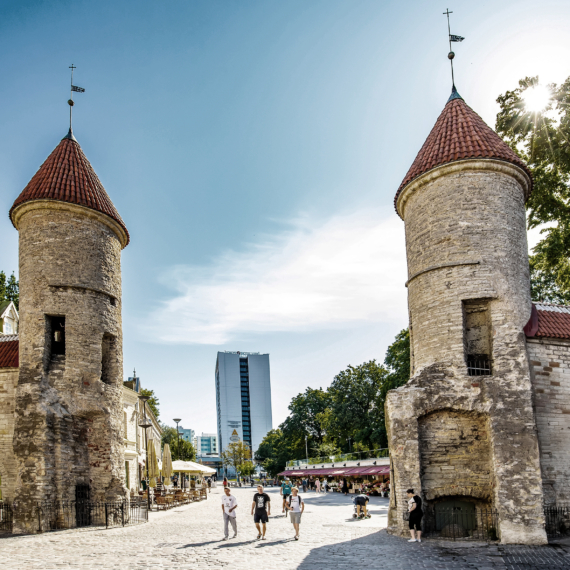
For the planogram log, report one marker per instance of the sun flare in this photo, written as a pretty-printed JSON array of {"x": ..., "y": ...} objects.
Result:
[{"x": 536, "y": 98}]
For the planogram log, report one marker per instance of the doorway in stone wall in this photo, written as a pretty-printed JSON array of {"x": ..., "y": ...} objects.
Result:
[
  {"x": 456, "y": 512},
  {"x": 82, "y": 505}
]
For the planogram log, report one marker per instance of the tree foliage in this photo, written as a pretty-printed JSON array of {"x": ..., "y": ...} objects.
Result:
[
  {"x": 236, "y": 454},
  {"x": 186, "y": 451},
  {"x": 352, "y": 407},
  {"x": 152, "y": 402},
  {"x": 10, "y": 289},
  {"x": 542, "y": 140}
]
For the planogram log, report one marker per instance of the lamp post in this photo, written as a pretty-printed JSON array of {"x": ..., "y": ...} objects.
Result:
[
  {"x": 349, "y": 446},
  {"x": 307, "y": 449},
  {"x": 145, "y": 423},
  {"x": 178, "y": 420}
]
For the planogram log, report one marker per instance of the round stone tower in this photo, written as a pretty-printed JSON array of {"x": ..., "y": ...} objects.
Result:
[
  {"x": 68, "y": 437},
  {"x": 466, "y": 415}
]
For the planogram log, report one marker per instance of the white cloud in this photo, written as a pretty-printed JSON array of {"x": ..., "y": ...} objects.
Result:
[{"x": 312, "y": 276}]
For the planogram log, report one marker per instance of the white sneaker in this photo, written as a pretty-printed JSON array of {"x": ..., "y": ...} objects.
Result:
[
  {"x": 419, "y": 540},
  {"x": 226, "y": 537},
  {"x": 412, "y": 540}
]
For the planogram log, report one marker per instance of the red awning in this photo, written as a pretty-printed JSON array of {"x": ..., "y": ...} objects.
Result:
[{"x": 338, "y": 471}]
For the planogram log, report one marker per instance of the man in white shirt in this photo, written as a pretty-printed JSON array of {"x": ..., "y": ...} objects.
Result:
[
  {"x": 296, "y": 505},
  {"x": 229, "y": 505}
]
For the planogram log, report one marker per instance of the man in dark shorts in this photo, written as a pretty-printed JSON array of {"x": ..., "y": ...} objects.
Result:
[
  {"x": 361, "y": 502},
  {"x": 261, "y": 509}
]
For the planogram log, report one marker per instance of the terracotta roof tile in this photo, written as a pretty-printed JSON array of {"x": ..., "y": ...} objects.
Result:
[
  {"x": 549, "y": 321},
  {"x": 9, "y": 354},
  {"x": 459, "y": 133},
  {"x": 67, "y": 176}
]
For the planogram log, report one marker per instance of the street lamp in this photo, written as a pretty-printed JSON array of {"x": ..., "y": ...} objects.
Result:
[
  {"x": 145, "y": 423},
  {"x": 178, "y": 420},
  {"x": 306, "y": 449},
  {"x": 349, "y": 446}
]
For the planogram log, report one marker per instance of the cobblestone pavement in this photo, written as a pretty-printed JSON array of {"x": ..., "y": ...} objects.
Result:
[{"x": 189, "y": 538}]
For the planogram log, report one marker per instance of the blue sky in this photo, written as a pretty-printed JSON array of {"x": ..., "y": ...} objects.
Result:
[{"x": 253, "y": 149}]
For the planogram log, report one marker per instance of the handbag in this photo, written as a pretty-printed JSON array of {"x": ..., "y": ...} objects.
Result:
[{"x": 406, "y": 515}]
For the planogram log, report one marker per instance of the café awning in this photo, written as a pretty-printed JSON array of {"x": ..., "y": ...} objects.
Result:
[{"x": 338, "y": 471}]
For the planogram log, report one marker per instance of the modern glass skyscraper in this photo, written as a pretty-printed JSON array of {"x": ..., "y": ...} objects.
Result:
[{"x": 243, "y": 398}]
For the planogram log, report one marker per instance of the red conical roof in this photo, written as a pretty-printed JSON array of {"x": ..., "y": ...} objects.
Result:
[
  {"x": 67, "y": 176},
  {"x": 459, "y": 134}
]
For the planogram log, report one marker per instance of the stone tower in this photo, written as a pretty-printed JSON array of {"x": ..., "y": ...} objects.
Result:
[
  {"x": 463, "y": 428},
  {"x": 68, "y": 436}
]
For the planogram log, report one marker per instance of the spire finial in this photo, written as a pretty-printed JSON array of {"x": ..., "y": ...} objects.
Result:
[
  {"x": 71, "y": 103},
  {"x": 451, "y": 55}
]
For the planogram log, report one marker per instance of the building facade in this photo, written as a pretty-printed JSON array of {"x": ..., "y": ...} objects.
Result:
[
  {"x": 243, "y": 398},
  {"x": 187, "y": 435},
  {"x": 206, "y": 444},
  {"x": 480, "y": 422}
]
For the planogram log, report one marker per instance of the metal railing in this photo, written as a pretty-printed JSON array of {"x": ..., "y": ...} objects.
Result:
[
  {"x": 6, "y": 518},
  {"x": 479, "y": 367},
  {"x": 557, "y": 521},
  {"x": 342, "y": 458},
  {"x": 453, "y": 523},
  {"x": 59, "y": 515}
]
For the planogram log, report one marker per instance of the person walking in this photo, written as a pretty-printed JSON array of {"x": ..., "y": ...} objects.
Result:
[
  {"x": 416, "y": 514},
  {"x": 305, "y": 485},
  {"x": 209, "y": 485},
  {"x": 317, "y": 485},
  {"x": 285, "y": 491},
  {"x": 229, "y": 505},
  {"x": 261, "y": 509},
  {"x": 326, "y": 485},
  {"x": 345, "y": 486},
  {"x": 296, "y": 505},
  {"x": 225, "y": 482}
]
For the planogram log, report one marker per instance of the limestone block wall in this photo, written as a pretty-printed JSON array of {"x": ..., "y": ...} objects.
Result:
[
  {"x": 455, "y": 456},
  {"x": 550, "y": 364},
  {"x": 466, "y": 247},
  {"x": 8, "y": 468},
  {"x": 69, "y": 411}
]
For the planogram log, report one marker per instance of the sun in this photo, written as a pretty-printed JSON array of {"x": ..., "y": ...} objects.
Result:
[{"x": 536, "y": 98}]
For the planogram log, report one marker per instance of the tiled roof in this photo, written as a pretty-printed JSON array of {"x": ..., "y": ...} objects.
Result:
[
  {"x": 67, "y": 176},
  {"x": 459, "y": 133},
  {"x": 9, "y": 352},
  {"x": 549, "y": 321}
]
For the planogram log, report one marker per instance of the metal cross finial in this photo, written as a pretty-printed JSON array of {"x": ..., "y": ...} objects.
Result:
[
  {"x": 451, "y": 55},
  {"x": 73, "y": 88}
]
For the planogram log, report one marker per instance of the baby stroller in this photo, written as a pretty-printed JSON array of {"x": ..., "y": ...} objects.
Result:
[{"x": 355, "y": 511}]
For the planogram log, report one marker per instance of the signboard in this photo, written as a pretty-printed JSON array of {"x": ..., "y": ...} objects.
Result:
[{"x": 234, "y": 436}]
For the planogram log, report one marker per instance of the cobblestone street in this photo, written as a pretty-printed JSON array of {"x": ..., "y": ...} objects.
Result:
[{"x": 190, "y": 537}]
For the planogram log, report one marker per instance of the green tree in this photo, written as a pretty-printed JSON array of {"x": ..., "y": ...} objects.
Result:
[
  {"x": 397, "y": 360},
  {"x": 13, "y": 291},
  {"x": 274, "y": 452},
  {"x": 357, "y": 412},
  {"x": 182, "y": 450},
  {"x": 541, "y": 140},
  {"x": 543, "y": 286},
  {"x": 2, "y": 286},
  {"x": 247, "y": 469},
  {"x": 152, "y": 401},
  {"x": 236, "y": 453}
]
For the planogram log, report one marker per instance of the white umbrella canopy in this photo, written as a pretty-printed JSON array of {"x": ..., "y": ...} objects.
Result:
[
  {"x": 191, "y": 467},
  {"x": 166, "y": 462}
]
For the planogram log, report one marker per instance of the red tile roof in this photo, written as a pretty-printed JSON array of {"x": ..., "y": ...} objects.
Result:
[
  {"x": 459, "y": 134},
  {"x": 549, "y": 321},
  {"x": 67, "y": 176},
  {"x": 9, "y": 354}
]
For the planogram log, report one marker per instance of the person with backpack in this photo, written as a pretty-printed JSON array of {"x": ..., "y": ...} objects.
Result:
[
  {"x": 285, "y": 491},
  {"x": 296, "y": 505},
  {"x": 415, "y": 514}
]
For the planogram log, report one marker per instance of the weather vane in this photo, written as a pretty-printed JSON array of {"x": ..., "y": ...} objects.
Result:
[
  {"x": 73, "y": 88},
  {"x": 452, "y": 38}
]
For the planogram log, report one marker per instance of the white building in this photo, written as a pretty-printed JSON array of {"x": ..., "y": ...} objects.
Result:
[
  {"x": 206, "y": 444},
  {"x": 243, "y": 398}
]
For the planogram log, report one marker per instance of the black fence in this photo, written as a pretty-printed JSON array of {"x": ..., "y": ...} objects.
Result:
[
  {"x": 479, "y": 367},
  {"x": 6, "y": 518},
  {"x": 557, "y": 521},
  {"x": 59, "y": 515},
  {"x": 461, "y": 523}
]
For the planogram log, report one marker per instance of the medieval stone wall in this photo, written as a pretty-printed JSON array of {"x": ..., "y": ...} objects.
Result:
[
  {"x": 467, "y": 253},
  {"x": 8, "y": 468},
  {"x": 69, "y": 412},
  {"x": 455, "y": 456},
  {"x": 550, "y": 362}
]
